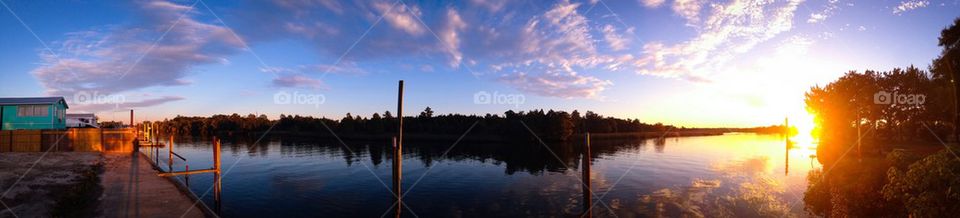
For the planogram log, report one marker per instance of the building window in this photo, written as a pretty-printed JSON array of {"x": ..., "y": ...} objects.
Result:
[{"x": 32, "y": 110}]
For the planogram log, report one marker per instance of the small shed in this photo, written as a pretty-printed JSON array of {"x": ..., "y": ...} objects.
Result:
[{"x": 33, "y": 113}]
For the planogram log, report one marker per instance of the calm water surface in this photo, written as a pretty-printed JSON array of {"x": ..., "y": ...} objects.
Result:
[{"x": 732, "y": 175}]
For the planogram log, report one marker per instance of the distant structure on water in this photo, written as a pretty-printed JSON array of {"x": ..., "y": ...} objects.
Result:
[{"x": 33, "y": 113}]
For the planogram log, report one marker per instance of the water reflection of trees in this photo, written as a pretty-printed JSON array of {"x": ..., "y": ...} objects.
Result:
[{"x": 530, "y": 157}]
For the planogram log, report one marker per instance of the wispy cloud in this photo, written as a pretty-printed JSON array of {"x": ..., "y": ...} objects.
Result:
[
  {"x": 905, "y": 6},
  {"x": 557, "y": 83},
  {"x": 451, "y": 36},
  {"x": 728, "y": 31},
  {"x": 552, "y": 49},
  {"x": 344, "y": 68},
  {"x": 158, "y": 51},
  {"x": 828, "y": 10},
  {"x": 491, "y": 5},
  {"x": 295, "y": 80},
  {"x": 616, "y": 41},
  {"x": 652, "y": 3},
  {"x": 400, "y": 17},
  {"x": 689, "y": 10}
]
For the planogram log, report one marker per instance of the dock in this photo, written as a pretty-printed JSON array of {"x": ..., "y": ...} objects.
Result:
[{"x": 131, "y": 188}]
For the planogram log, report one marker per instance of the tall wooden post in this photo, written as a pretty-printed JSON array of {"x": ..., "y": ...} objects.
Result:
[
  {"x": 786, "y": 126},
  {"x": 400, "y": 116},
  {"x": 786, "y": 147},
  {"x": 170, "y": 154},
  {"x": 398, "y": 152},
  {"x": 786, "y": 162},
  {"x": 136, "y": 135},
  {"x": 217, "y": 189},
  {"x": 585, "y": 164},
  {"x": 397, "y": 174}
]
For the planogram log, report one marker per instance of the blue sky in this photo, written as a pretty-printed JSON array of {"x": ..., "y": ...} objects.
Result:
[{"x": 684, "y": 62}]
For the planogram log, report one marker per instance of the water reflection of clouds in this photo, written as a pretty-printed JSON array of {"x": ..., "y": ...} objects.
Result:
[
  {"x": 690, "y": 176},
  {"x": 744, "y": 185},
  {"x": 744, "y": 189}
]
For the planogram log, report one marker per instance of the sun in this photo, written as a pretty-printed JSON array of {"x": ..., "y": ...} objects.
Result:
[{"x": 806, "y": 125}]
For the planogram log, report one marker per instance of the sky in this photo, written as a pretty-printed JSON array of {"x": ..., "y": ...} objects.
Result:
[{"x": 693, "y": 63}]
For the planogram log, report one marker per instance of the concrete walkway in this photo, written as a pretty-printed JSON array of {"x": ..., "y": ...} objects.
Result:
[{"x": 131, "y": 188}]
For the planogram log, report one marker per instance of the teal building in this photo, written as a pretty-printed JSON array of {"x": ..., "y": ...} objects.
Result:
[{"x": 33, "y": 113}]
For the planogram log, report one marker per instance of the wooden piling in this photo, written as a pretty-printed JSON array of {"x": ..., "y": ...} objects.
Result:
[
  {"x": 400, "y": 116},
  {"x": 217, "y": 188},
  {"x": 398, "y": 152},
  {"x": 585, "y": 164},
  {"x": 397, "y": 174},
  {"x": 186, "y": 178},
  {"x": 170, "y": 154},
  {"x": 786, "y": 147}
]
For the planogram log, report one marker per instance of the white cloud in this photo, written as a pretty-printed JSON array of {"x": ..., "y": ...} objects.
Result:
[
  {"x": 401, "y": 17},
  {"x": 552, "y": 48},
  {"x": 490, "y": 5},
  {"x": 616, "y": 41},
  {"x": 909, "y": 5},
  {"x": 557, "y": 83},
  {"x": 816, "y": 18},
  {"x": 730, "y": 30},
  {"x": 688, "y": 9},
  {"x": 450, "y": 36},
  {"x": 828, "y": 10},
  {"x": 652, "y": 3}
]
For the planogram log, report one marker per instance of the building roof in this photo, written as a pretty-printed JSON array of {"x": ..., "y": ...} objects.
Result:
[
  {"x": 33, "y": 100},
  {"x": 81, "y": 115}
]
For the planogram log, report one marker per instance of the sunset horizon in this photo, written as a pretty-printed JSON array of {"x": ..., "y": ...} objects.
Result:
[
  {"x": 480, "y": 108},
  {"x": 607, "y": 63}
]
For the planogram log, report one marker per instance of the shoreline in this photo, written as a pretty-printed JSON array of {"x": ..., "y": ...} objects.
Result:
[{"x": 483, "y": 137}]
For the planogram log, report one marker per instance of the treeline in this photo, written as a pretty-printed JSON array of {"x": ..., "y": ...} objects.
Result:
[
  {"x": 908, "y": 114},
  {"x": 548, "y": 125},
  {"x": 895, "y": 106},
  {"x": 899, "y": 104}
]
